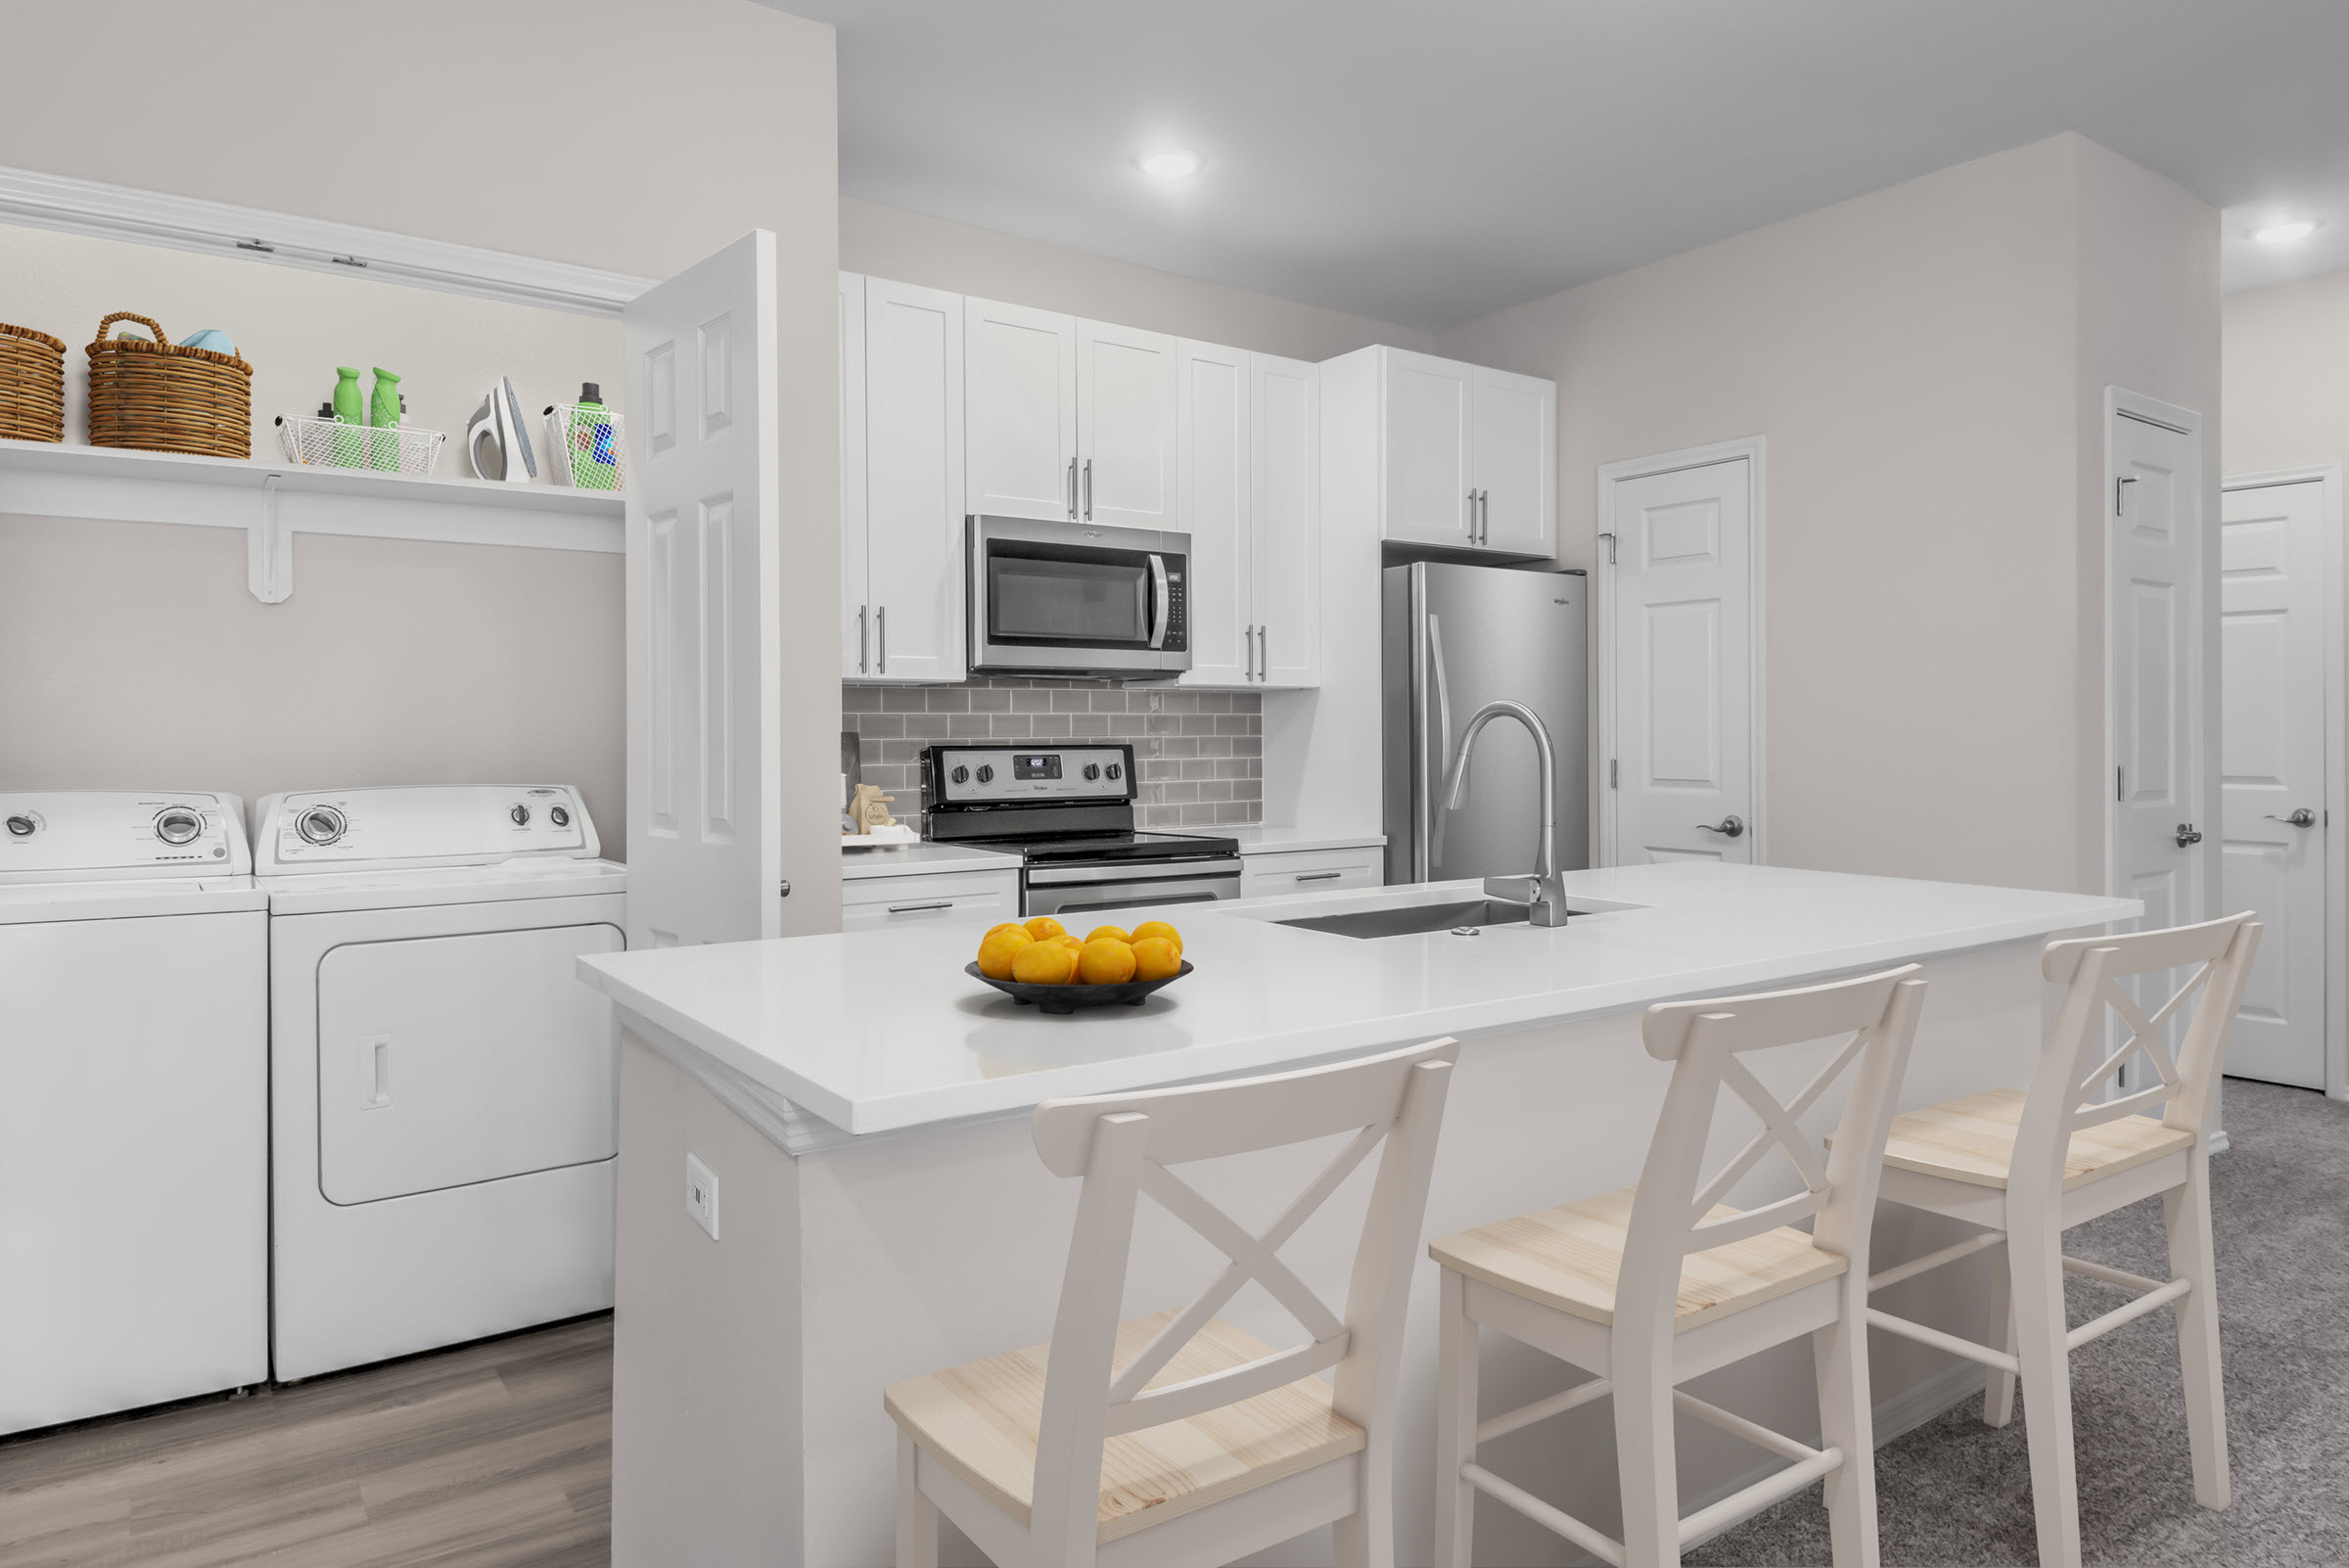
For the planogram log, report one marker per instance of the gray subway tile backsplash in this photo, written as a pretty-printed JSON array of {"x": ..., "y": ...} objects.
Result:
[{"x": 1200, "y": 754}]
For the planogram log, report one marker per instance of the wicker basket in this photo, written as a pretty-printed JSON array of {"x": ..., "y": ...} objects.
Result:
[
  {"x": 160, "y": 398},
  {"x": 33, "y": 384}
]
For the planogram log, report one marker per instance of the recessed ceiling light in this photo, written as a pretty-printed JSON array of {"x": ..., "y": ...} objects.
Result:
[
  {"x": 1174, "y": 163},
  {"x": 2286, "y": 232}
]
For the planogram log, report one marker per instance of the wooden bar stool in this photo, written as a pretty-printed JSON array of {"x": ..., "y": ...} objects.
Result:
[
  {"x": 1177, "y": 1438},
  {"x": 2028, "y": 1166},
  {"x": 1651, "y": 1286}
]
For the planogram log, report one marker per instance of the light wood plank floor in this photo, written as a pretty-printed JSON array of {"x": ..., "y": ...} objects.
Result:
[{"x": 497, "y": 1456}]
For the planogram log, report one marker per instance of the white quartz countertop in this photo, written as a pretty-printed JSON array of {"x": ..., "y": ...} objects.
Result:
[
  {"x": 1283, "y": 840},
  {"x": 875, "y": 1031},
  {"x": 918, "y": 859}
]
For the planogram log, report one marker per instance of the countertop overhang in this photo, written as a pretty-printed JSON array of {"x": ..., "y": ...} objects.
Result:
[{"x": 879, "y": 1032}]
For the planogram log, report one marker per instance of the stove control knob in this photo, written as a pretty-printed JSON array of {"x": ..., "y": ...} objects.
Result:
[
  {"x": 177, "y": 826},
  {"x": 961, "y": 775},
  {"x": 986, "y": 772},
  {"x": 559, "y": 815},
  {"x": 520, "y": 813},
  {"x": 1116, "y": 771},
  {"x": 20, "y": 827},
  {"x": 320, "y": 825},
  {"x": 1092, "y": 771}
]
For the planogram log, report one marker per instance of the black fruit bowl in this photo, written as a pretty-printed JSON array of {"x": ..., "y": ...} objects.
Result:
[{"x": 1068, "y": 998}]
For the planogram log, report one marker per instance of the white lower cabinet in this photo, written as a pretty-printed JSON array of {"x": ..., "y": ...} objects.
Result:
[
  {"x": 953, "y": 898},
  {"x": 1268, "y": 875}
]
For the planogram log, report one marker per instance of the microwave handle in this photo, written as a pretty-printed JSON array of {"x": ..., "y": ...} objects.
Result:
[{"x": 1158, "y": 607}]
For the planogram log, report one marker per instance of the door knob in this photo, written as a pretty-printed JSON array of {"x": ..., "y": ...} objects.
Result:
[
  {"x": 2187, "y": 834},
  {"x": 2303, "y": 817},
  {"x": 1730, "y": 827}
]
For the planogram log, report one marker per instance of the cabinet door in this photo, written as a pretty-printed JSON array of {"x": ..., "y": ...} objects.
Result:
[
  {"x": 1426, "y": 459},
  {"x": 1129, "y": 392},
  {"x": 1516, "y": 427},
  {"x": 1213, "y": 443},
  {"x": 1019, "y": 411},
  {"x": 1284, "y": 474},
  {"x": 856, "y": 649},
  {"x": 913, "y": 489}
]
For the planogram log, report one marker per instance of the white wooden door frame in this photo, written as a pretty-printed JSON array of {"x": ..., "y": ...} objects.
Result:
[
  {"x": 1754, "y": 449},
  {"x": 2336, "y": 757}
]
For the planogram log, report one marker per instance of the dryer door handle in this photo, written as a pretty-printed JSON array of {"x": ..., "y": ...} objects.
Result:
[{"x": 375, "y": 1071}]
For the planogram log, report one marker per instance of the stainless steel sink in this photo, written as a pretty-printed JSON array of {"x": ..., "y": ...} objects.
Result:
[{"x": 1414, "y": 920}]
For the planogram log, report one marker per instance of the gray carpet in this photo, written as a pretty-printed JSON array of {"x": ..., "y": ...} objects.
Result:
[{"x": 1955, "y": 1491}]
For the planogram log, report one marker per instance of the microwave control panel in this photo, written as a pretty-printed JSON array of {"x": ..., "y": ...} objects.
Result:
[{"x": 1179, "y": 620}]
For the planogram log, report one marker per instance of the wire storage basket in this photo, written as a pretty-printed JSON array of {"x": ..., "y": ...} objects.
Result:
[
  {"x": 586, "y": 447},
  {"x": 332, "y": 443},
  {"x": 161, "y": 396},
  {"x": 33, "y": 384}
]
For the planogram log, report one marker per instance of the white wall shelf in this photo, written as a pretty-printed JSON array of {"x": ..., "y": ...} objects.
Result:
[{"x": 273, "y": 502}]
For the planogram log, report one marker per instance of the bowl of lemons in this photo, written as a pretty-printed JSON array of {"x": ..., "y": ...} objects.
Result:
[{"x": 1039, "y": 962}]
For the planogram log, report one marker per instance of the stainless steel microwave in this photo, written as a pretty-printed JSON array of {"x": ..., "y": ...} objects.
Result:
[{"x": 1078, "y": 599}]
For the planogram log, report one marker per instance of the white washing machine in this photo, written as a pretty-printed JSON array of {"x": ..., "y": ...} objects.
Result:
[
  {"x": 443, "y": 1093},
  {"x": 134, "y": 1093}
]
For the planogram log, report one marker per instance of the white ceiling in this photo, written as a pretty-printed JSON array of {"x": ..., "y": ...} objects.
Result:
[{"x": 1427, "y": 162}]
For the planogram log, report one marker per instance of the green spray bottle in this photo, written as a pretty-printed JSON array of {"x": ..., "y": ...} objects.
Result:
[
  {"x": 347, "y": 412},
  {"x": 383, "y": 413}
]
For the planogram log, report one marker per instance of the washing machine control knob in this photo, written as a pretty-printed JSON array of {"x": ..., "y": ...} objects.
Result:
[
  {"x": 520, "y": 814},
  {"x": 20, "y": 827},
  {"x": 559, "y": 815},
  {"x": 320, "y": 825},
  {"x": 177, "y": 826}
]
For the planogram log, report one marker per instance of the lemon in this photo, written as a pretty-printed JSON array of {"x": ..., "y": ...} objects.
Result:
[
  {"x": 1106, "y": 961},
  {"x": 1043, "y": 963},
  {"x": 1159, "y": 927},
  {"x": 1002, "y": 947},
  {"x": 1073, "y": 944},
  {"x": 1155, "y": 959},
  {"x": 1044, "y": 926},
  {"x": 1009, "y": 925},
  {"x": 1108, "y": 933}
]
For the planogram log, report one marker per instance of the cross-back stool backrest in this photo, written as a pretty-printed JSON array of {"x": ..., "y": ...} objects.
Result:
[
  {"x": 2076, "y": 1069},
  {"x": 1124, "y": 1146},
  {"x": 1708, "y": 1041}
]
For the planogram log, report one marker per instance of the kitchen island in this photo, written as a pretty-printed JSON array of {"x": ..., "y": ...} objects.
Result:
[{"x": 879, "y": 1212}]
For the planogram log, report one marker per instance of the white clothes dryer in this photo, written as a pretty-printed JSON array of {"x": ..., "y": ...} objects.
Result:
[
  {"x": 134, "y": 1093},
  {"x": 443, "y": 1093}
]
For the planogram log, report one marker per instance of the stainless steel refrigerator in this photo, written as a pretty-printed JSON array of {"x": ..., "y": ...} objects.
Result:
[{"x": 1455, "y": 639}]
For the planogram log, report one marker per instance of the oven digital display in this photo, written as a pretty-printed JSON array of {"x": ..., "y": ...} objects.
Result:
[{"x": 1038, "y": 764}]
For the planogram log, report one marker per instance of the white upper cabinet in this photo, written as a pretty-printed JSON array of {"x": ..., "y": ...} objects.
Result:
[
  {"x": 1515, "y": 427},
  {"x": 1468, "y": 456},
  {"x": 1213, "y": 446},
  {"x": 855, "y": 615},
  {"x": 913, "y": 434},
  {"x": 1284, "y": 485},
  {"x": 1020, "y": 385},
  {"x": 1129, "y": 396},
  {"x": 1429, "y": 461}
]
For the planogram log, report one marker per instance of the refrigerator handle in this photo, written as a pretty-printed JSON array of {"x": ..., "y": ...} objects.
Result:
[{"x": 1441, "y": 747}]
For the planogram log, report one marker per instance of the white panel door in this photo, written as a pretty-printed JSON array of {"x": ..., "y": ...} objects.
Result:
[
  {"x": 1215, "y": 445},
  {"x": 1515, "y": 459},
  {"x": 913, "y": 391},
  {"x": 855, "y": 605},
  {"x": 1128, "y": 418},
  {"x": 2271, "y": 770},
  {"x": 1427, "y": 456},
  {"x": 704, "y": 645},
  {"x": 2155, "y": 616},
  {"x": 1019, "y": 411},
  {"x": 1680, "y": 635},
  {"x": 1284, "y": 481}
]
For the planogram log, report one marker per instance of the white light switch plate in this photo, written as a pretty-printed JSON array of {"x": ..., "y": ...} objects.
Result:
[{"x": 701, "y": 1195}]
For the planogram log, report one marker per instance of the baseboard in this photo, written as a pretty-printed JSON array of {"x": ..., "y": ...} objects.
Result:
[{"x": 2218, "y": 1141}]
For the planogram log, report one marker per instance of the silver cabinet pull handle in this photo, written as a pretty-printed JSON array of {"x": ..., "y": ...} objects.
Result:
[
  {"x": 1484, "y": 517},
  {"x": 1264, "y": 655},
  {"x": 1247, "y": 648},
  {"x": 1072, "y": 490},
  {"x": 2302, "y": 818},
  {"x": 1730, "y": 827},
  {"x": 881, "y": 622},
  {"x": 1089, "y": 490},
  {"x": 916, "y": 908},
  {"x": 865, "y": 641},
  {"x": 1320, "y": 876},
  {"x": 2187, "y": 834},
  {"x": 1472, "y": 517}
]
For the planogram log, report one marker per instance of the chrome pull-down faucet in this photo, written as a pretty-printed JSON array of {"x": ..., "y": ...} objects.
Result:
[{"x": 1544, "y": 894}]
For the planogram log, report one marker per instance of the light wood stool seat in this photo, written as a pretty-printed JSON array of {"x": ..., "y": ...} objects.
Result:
[
  {"x": 1972, "y": 1141},
  {"x": 1570, "y": 1258},
  {"x": 981, "y": 1420}
]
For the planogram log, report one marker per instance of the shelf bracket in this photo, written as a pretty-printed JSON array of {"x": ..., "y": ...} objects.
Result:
[{"x": 269, "y": 551}]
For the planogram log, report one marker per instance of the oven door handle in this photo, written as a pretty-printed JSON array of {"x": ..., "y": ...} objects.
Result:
[
  {"x": 1058, "y": 876},
  {"x": 1158, "y": 601}
]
